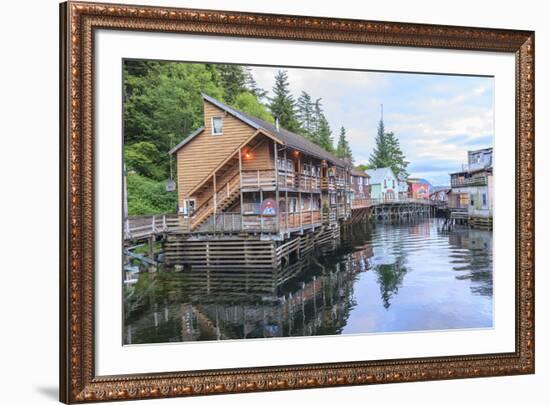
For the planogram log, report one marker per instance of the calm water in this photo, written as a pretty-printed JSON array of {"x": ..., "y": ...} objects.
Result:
[{"x": 382, "y": 278}]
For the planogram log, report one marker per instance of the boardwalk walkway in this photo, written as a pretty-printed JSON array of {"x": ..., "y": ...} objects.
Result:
[{"x": 143, "y": 227}]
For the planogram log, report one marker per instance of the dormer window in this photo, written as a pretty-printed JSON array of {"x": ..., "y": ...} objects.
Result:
[{"x": 217, "y": 125}]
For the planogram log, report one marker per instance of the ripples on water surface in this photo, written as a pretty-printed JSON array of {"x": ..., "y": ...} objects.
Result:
[{"x": 383, "y": 278}]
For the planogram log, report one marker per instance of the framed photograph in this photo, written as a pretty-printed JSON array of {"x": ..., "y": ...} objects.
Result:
[{"x": 257, "y": 202}]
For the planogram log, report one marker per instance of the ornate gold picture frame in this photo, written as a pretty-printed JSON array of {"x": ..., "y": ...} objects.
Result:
[{"x": 78, "y": 379}]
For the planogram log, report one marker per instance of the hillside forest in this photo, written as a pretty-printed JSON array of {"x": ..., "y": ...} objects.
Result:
[{"x": 163, "y": 105}]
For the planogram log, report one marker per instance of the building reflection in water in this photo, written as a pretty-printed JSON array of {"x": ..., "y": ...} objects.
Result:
[{"x": 310, "y": 297}]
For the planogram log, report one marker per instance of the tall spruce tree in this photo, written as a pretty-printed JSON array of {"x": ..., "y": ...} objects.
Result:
[
  {"x": 282, "y": 104},
  {"x": 232, "y": 78},
  {"x": 322, "y": 134},
  {"x": 380, "y": 156},
  {"x": 397, "y": 157},
  {"x": 317, "y": 112},
  {"x": 387, "y": 152},
  {"x": 305, "y": 114},
  {"x": 252, "y": 85},
  {"x": 343, "y": 150}
]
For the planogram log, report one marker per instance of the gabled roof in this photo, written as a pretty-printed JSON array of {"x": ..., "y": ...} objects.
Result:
[
  {"x": 355, "y": 171},
  {"x": 418, "y": 180},
  {"x": 377, "y": 175},
  {"x": 186, "y": 140},
  {"x": 286, "y": 137}
]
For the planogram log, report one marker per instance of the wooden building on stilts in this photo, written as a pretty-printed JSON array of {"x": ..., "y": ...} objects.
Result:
[{"x": 253, "y": 194}]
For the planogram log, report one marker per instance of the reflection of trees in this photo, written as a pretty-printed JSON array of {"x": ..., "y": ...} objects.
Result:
[{"x": 390, "y": 278}]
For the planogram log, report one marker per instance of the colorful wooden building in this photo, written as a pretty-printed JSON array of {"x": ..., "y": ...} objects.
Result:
[
  {"x": 402, "y": 187},
  {"x": 239, "y": 174},
  {"x": 472, "y": 187},
  {"x": 419, "y": 189},
  {"x": 440, "y": 195},
  {"x": 383, "y": 184},
  {"x": 359, "y": 188}
]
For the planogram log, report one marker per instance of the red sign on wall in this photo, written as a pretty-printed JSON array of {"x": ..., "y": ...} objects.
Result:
[{"x": 268, "y": 207}]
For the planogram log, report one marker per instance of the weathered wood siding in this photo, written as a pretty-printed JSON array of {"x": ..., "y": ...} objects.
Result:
[
  {"x": 261, "y": 157},
  {"x": 202, "y": 155}
]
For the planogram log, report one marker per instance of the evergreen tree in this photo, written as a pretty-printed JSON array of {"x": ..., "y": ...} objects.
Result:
[
  {"x": 397, "y": 157},
  {"x": 282, "y": 104},
  {"x": 233, "y": 80},
  {"x": 387, "y": 152},
  {"x": 317, "y": 113},
  {"x": 305, "y": 113},
  {"x": 252, "y": 86},
  {"x": 324, "y": 135},
  {"x": 343, "y": 150},
  {"x": 380, "y": 156}
]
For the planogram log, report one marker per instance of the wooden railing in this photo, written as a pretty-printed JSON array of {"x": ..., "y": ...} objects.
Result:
[
  {"x": 287, "y": 180},
  {"x": 360, "y": 203},
  {"x": 206, "y": 209},
  {"x": 328, "y": 184},
  {"x": 340, "y": 182},
  {"x": 222, "y": 222},
  {"x": 472, "y": 181},
  {"x": 295, "y": 220},
  {"x": 228, "y": 189},
  {"x": 259, "y": 223},
  {"x": 144, "y": 226},
  {"x": 254, "y": 179},
  {"x": 308, "y": 183}
]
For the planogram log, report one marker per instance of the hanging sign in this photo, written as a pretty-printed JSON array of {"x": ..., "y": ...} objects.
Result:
[{"x": 170, "y": 185}]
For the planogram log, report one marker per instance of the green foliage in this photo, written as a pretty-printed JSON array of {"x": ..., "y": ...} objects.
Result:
[
  {"x": 163, "y": 102},
  {"x": 252, "y": 86},
  {"x": 365, "y": 167},
  {"x": 163, "y": 105},
  {"x": 282, "y": 104},
  {"x": 343, "y": 150},
  {"x": 147, "y": 196},
  {"x": 387, "y": 152},
  {"x": 305, "y": 114},
  {"x": 145, "y": 159},
  {"x": 233, "y": 80},
  {"x": 323, "y": 136},
  {"x": 248, "y": 103}
]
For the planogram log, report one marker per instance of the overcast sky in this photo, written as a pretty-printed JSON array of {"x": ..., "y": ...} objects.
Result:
[{"x": 437, "y": 118}]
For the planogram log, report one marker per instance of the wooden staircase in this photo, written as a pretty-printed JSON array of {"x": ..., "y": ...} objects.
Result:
[{"x": 225, "y": 197}]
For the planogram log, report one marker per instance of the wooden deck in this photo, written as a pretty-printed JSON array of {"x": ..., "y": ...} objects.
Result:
[{"x": 142, "y": 227}]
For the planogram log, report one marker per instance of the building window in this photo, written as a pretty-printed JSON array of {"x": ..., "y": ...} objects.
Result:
[
  {"x": 188, "y": 207},
  {"x": 292, "y": 205},
  {"x": 217, "y": 125},
  {"x": 385, "y": 184},
  {"x": 484, "y": 198},
  {"x": 472, "y": 200}
]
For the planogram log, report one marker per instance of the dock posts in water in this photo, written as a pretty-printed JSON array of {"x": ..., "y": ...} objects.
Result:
[
  {"x": 150, "y": 247},
  {"x": 238, "y": 252}
]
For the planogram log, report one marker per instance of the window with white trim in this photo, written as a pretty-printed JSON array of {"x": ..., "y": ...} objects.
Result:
[
  {"x": 217, "y": 125},
  {"x": 189, "y": 206}
]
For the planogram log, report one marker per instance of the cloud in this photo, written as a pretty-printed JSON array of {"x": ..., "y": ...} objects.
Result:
[{"x": 437, "y": 118}]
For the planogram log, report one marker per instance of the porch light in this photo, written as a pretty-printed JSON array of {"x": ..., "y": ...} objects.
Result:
[{"x": 248, "y": 155}]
